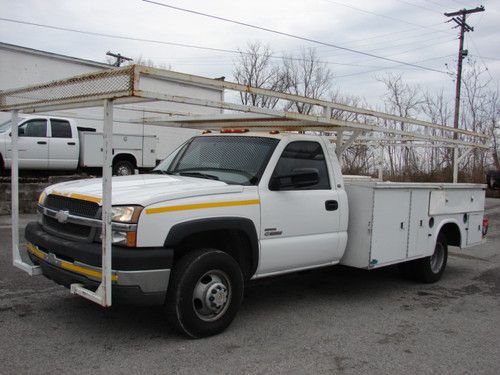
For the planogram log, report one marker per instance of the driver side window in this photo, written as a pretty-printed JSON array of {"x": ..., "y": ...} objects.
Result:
[
  {"x": 33, "y": 128},
  {"x": 304, "y": 155}
]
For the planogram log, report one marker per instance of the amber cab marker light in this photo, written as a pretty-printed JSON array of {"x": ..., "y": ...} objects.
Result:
[
  {"x": 274, "y": 132},
  {"x": 206, "y": 131},
  {"x": 234, "y": 130}
]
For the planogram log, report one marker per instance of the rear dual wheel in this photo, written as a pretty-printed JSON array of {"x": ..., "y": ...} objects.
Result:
[
  {"x": 429, "y": 269},
  {"x": 205, "y": 293},
  {"x": 123, "y": 168}
]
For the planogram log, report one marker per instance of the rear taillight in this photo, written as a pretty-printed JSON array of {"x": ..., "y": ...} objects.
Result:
[{"x": 486, "y": 223}]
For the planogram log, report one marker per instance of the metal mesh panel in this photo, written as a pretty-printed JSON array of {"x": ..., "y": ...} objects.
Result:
[{"x": 81, "y": 88}]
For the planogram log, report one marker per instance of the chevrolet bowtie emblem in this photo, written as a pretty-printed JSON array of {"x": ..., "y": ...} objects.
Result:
[{"x": 62, "y": 216}]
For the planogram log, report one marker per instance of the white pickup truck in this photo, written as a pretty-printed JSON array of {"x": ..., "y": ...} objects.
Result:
[
  {"x": 227, "y": 208},
  {"x": 54, "y": 143}
]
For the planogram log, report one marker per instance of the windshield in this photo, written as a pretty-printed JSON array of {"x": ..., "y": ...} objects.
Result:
[
  {"x": 4, "y": 126},
  {"x": 233, "y": 159}
]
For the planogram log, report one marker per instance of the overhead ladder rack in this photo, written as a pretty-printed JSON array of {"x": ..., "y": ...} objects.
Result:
[{"x": 135, "y": 86}]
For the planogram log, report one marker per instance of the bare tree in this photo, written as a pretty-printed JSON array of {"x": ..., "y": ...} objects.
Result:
[
  {"x": 149, "y": 63},
  {"x": 439, "y": 111},
  {"x": 492, "y": 112},
  {"x": 308, "y": 76},
  {"x": 474, "y": 115},
  {"x": 403, "y": 100},
  {"x": 254, "y": 68}
]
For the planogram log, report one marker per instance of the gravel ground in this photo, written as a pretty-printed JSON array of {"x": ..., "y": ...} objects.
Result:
[{"x": 335, "y": 320}]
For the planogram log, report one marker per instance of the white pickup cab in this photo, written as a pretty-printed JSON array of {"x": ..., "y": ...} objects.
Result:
[
  {"x": 53, "y": 143},
  {"x": 226, "y": 208}
]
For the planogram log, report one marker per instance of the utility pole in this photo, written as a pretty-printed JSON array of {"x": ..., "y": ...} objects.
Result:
[
  {"x": 119, "y": 58},
  {"x": 459, "y": 17}
]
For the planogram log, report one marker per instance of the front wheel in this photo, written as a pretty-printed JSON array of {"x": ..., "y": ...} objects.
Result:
[
  {"x": 205, "y": 293},
  {"x": 430, "y": 269}
]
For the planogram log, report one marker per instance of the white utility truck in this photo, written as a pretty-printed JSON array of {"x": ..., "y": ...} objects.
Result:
[
  {"x": 228, "y": 207},
  {"x": 54, "y": 143}
]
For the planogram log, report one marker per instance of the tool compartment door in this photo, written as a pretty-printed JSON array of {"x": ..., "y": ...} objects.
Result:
[
  {"x": 390, "y": 226},
  {"x": 474, "y": 229}
]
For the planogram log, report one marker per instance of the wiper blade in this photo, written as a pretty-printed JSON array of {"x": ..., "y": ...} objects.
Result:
[{"x": 199, "y": 174}]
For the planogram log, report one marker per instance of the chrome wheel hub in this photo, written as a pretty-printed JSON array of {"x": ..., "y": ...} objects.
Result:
[
  {"x": 123, "y": 171},
  {"x": 212, "y": 295}
]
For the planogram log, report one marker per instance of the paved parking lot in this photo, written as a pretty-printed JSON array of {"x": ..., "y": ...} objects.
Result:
[{"x": 336, "y": 320}]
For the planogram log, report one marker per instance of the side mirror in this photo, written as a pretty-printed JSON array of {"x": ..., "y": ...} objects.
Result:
[{"x": 299, "y": 178}]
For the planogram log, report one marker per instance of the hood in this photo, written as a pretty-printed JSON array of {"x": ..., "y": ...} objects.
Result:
[{"x": 144, "y": 189}]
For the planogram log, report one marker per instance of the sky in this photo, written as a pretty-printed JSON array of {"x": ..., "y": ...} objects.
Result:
[{"x": 412, "y": 31}]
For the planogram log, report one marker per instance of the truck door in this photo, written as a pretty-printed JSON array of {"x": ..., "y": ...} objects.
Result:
[
  {"x": 299, "y": 226},
  {"x": 32, "y": 145},
  {"x": 63, "y": 146}
]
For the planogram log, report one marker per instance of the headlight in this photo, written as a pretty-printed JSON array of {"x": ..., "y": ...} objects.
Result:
[
  {"x": 42, "y": 198},
  {"x": 126, "y": 214}
]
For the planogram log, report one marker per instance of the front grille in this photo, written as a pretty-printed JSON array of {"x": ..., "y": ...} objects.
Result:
[
  {"x": 71, "y": 229},
  {"x": 75, "y": 207}
]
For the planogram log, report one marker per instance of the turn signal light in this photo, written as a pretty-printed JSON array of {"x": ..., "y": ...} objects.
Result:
[
  {"x": 131, "y": 239},
  {"x": 234, "y": 130}
]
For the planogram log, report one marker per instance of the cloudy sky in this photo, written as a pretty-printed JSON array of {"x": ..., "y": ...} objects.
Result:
[{"x": 412, "y": 31}]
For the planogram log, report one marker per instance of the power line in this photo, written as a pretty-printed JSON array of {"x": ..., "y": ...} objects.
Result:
[
  {"x": 480, "y": 57},
  {"x": 114, "y": 36},
  {"x": 419, "y": 6},
  {"x": 435, "y": 3},
  {"x": 184, "y": 45},
  {"x": 175, "y": 44},
  {"x": 417, "y": 42},
  {"x": 292, "y": 36},
  {"x": 383, "y": 16},
  {"x": 380, "y": 69},
  {"x": 491, "y": 58}
]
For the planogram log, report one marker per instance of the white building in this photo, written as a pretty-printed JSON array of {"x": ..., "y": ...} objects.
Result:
[{"x": 21, "y": 66}]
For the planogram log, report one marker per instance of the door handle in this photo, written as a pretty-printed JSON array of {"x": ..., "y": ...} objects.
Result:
[
  {"x": 331, "y": 205},
  {"x": 42, "y": 142},
  {"x": 71, "y": 143}
]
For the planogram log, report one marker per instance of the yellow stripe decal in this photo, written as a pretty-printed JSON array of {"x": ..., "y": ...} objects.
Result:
[
  {"x": 199, "y": 206},
  {"x": 85, "y": 271},
  {"x": 32, "y": 249},
  {"x": 69, "y": 266},
  {"x": 77, "y": 196}
]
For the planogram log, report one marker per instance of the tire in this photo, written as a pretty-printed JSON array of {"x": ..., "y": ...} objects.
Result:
[
  {"x": 205, "y": 293},
  {"x": 430, "y": 269},
  {"x": 123, "y": 168}
]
